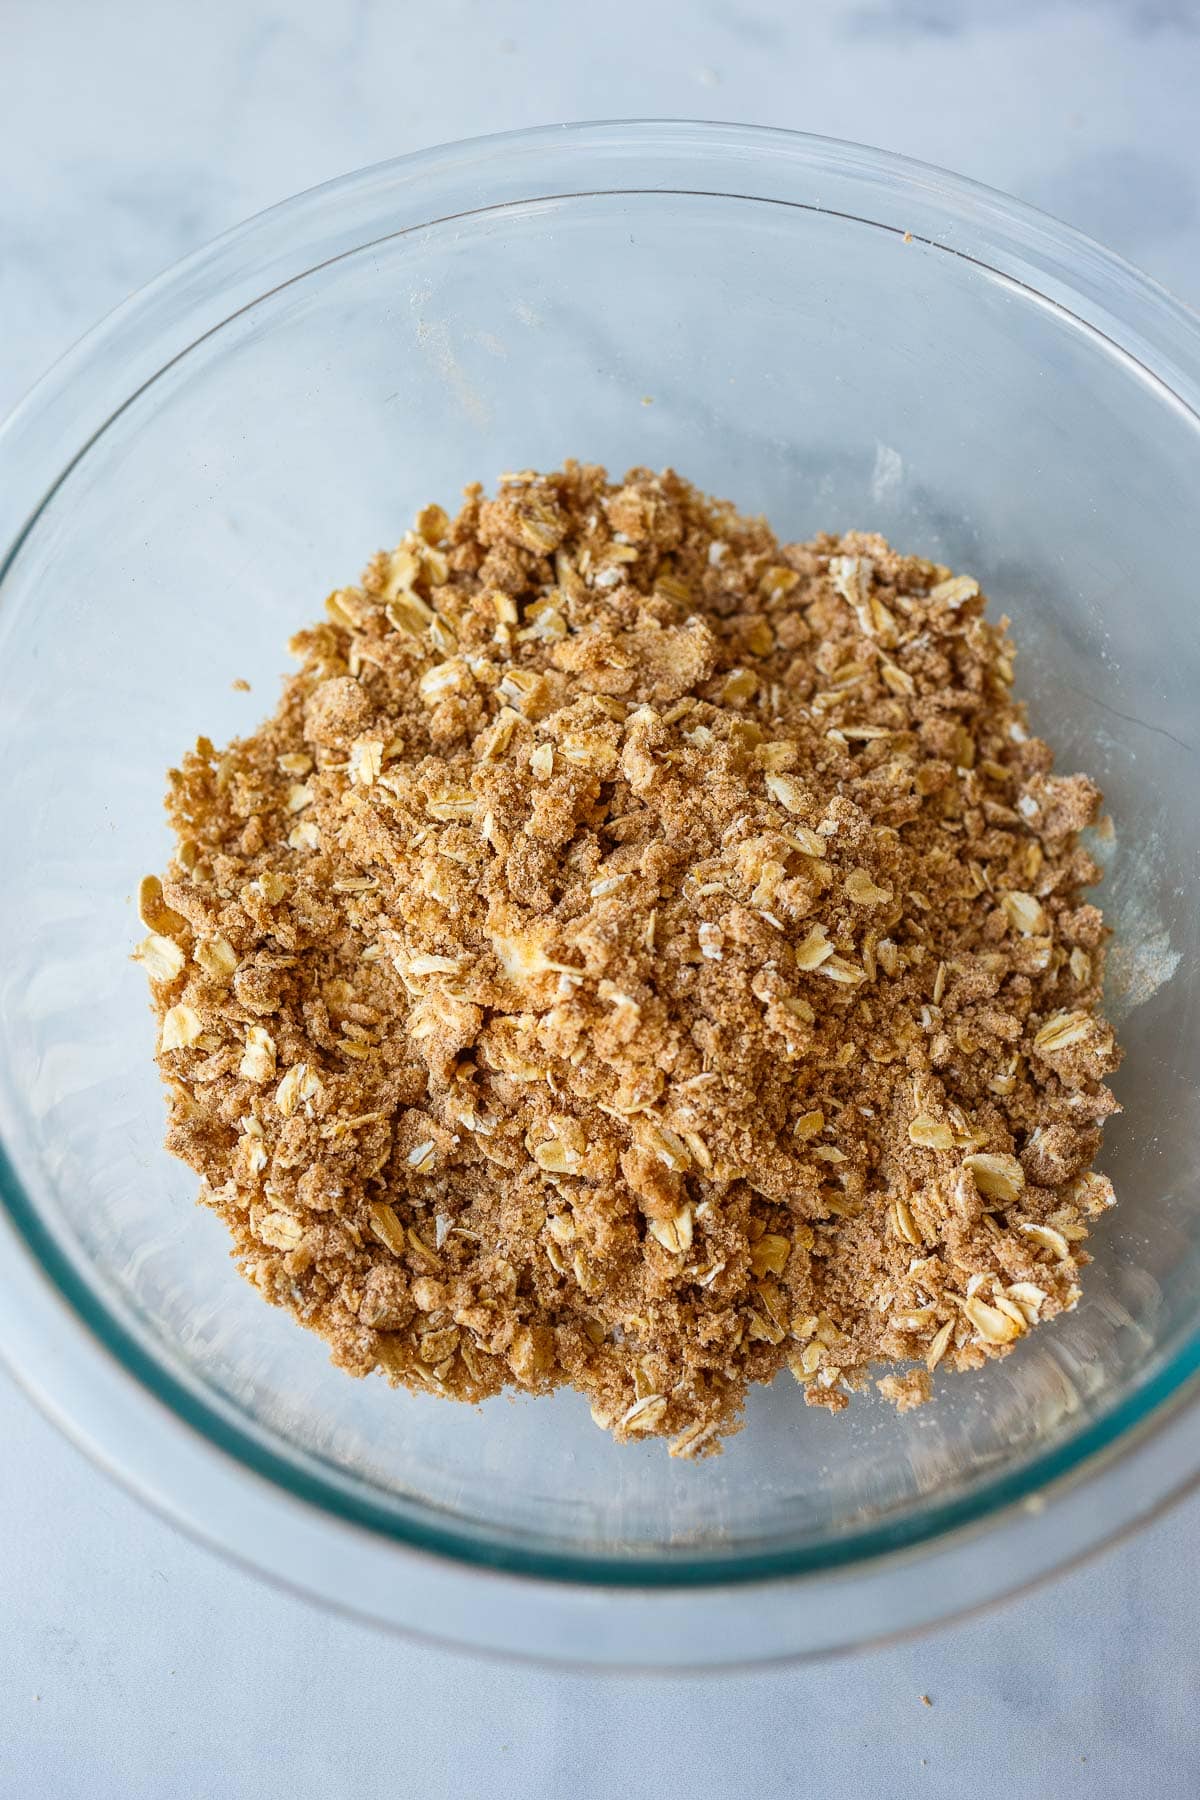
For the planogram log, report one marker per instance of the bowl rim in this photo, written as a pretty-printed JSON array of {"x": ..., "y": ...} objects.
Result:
[{"x": 1048, "y": 264}]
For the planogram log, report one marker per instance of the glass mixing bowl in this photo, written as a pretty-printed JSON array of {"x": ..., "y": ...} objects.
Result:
[{"x": 832, "y": 336}]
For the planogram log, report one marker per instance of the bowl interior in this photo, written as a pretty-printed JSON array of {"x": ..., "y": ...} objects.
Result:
[{"x": 815, "y": 367}]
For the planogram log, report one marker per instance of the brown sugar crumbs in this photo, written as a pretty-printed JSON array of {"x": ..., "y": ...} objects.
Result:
[{"x": 638, "y": 955}]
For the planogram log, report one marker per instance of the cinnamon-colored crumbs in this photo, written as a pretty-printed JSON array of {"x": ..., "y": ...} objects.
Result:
[{"x": 639, "y": 955}]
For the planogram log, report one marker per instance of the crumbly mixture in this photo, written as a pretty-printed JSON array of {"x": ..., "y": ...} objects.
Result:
[{"x": 640, "y": 955}]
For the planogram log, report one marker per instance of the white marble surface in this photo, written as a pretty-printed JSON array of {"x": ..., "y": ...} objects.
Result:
[{"x": 134, "y": 1664}]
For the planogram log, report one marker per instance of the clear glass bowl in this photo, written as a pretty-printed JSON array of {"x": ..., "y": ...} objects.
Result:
[{"x": 833, "y": 336}]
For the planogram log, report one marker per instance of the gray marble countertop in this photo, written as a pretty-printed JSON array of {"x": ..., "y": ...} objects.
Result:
[{"x": 133, "y": 1663}]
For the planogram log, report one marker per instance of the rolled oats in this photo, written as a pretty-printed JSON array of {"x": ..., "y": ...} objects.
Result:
[{"x": 639, "y": 955}]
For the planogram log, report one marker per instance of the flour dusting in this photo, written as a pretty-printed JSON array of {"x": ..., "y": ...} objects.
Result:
[
  {"x": 887, "y": 477},
  {"x": 1140, "y": 957}
]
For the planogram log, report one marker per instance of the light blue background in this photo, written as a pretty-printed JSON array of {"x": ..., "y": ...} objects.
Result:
[{"x": 133, "y": 1665}]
